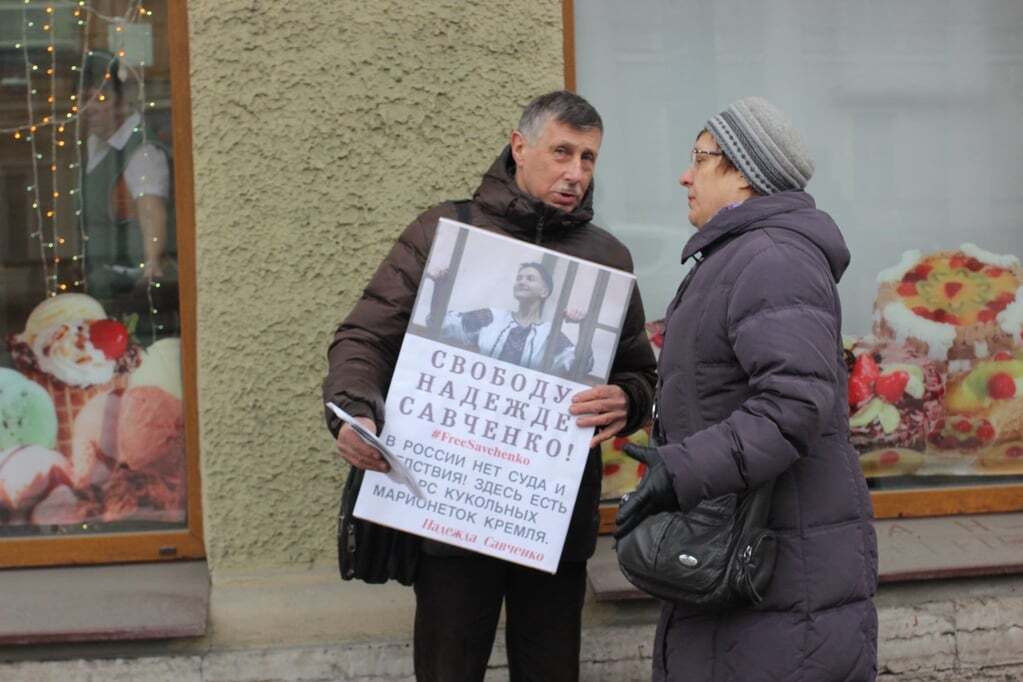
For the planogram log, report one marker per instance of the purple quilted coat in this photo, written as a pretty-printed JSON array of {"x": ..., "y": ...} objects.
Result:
[{"x": 753, "y": 387}]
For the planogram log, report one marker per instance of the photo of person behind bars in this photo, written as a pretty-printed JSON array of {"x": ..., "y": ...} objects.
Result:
[{"x": 521, "y": 304}]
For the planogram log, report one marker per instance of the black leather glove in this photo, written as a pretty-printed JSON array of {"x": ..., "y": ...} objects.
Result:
[{"x": 654, "y": 494}]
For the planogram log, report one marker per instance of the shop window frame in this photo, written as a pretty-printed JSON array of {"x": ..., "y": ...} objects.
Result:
[
  {"x": 926, "y": 501},
  {"x": 182, "y": 543}
]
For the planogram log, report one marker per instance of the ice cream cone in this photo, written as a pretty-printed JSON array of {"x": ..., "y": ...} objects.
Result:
[{"x": 69, "y": 401}]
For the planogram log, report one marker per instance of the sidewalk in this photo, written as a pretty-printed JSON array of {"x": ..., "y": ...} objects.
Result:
[{"x": 307, "y": 626}]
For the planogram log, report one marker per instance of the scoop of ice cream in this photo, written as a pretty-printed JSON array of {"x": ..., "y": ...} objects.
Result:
[
  {"x": 144, "y": 496},
  {"x": 94, "y": 440},
  {"x": 161, "y": 367},
  {"x": 28, "y": 473},
  {"x": 60, "y": 508},
  {"x": 64, "y": 308},
  {"x": 66, "y": 351},
  {"x": 151, "y": 430},
  {"x": 27, "y": 415}
]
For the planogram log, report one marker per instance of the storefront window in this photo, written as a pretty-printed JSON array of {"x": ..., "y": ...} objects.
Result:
[
  {"x": 912, "y": 114},
  {"x": 92, "y": 405}
]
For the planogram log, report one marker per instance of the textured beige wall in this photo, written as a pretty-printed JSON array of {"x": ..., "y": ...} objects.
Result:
[{"x": 320, "y": 130}]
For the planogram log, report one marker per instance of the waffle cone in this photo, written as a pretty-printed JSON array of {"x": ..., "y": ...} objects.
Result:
[{"x": 69, "y": 401}]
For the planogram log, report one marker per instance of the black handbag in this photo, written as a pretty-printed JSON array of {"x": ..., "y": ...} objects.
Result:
[
  {"x": 716, "y": 555},
  {"x": 368, "y": 551}
]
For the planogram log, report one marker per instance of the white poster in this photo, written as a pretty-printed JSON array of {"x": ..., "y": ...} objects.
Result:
[{"x": 503, "y": 334}]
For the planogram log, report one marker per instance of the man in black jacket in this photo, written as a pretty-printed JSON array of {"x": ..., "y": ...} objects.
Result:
[{"x": 539, "y": 190}]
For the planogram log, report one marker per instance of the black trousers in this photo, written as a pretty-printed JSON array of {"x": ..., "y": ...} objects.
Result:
[{"x": 458, "y": 603}]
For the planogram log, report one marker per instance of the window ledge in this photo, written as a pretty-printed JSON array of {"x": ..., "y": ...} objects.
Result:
[
  {"x": 104, "y": 603},
  {"x": 908, "y": 549}
]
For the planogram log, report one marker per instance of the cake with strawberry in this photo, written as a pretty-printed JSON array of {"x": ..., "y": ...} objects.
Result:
[
  {"x": 1002, "y": 459},
  {"x": 621, "y": 472},
  {"x": 952, "y": 305},
  {"x": 74, "y": 351},
  {"x": 984, "y": 405},
  {"x": 894, "y": 397},
  {"x": 655, "y": 332},
  {"x": 890, "y": 462}
]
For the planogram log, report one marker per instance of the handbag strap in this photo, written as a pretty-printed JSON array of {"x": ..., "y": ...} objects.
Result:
[{"x": 760, "y": 504}]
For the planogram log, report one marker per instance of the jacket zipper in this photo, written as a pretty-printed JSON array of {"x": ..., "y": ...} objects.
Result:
[
  {"x": 658, "y": 434},
  {"x": 539, "y": 230}
]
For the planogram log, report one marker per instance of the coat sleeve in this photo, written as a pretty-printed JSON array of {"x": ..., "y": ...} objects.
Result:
[
  {"x": 364, "y": 351},
  {"x": 634, "y": 368},
  {"x": 783, "y": 327}
]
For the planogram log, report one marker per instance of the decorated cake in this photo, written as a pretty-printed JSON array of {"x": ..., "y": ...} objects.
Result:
[
  {"x": 621, "y": 473},
  {"x": 890, "y": 462},
  {"x": 1005, "y": 458},
  {"x": 951, "y": 305},
  {"x": 984, "y": 405},
  {"x": 894, "y": 398}
]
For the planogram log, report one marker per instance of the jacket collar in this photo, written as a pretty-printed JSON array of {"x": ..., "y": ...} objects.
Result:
[
  {"x": 498, "y": 194},
  {"x": 793, "y": 210},
  {"x": 733, "y": 221}
]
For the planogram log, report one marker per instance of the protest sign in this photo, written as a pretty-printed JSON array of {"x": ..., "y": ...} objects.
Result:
[{"x": 503, "y": 333}]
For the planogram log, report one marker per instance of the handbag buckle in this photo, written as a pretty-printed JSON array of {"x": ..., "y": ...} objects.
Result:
[{"x": 688, "y": 560}]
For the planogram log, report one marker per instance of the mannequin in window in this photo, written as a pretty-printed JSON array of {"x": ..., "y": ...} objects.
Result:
[{"x": 126, "y": 201}]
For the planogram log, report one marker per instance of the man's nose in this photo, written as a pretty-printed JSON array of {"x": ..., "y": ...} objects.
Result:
[
  {"x": 686, "y": 178},
  {"x": 575, "y": 173}
]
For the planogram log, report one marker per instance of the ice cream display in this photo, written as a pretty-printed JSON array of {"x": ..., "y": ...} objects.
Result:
[
  {"x": 144, "y": 496},
  {"x": 60, "y": 508},
  {"x": 91, "y": 424},
  {"x": 27, "y": 474},
  {"x": 161, "y": 367},
  {"x": 27, "y": 415},
  {"x": 128, "y": 455},
  {"x": 57, "y": 309},
  {"x": 151, "y": 430},
  {"x": 73, "y": 351},
  {"x": 94, "y": 446}
]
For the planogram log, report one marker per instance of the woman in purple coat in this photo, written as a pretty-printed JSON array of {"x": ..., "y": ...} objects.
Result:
[{"x": 753, "y": 388}]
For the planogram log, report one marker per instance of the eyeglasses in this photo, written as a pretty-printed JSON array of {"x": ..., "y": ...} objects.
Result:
[{"x": 698, "y": 155}]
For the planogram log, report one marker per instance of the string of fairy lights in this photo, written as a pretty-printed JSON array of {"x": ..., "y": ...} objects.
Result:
[{"x": 52, "y": 220}]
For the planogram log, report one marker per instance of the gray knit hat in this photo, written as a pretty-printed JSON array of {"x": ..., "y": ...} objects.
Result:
[{"x": 759, "y": 140}]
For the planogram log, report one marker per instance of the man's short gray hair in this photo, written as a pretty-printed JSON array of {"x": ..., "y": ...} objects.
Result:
[{"x": 564, "y": 107}]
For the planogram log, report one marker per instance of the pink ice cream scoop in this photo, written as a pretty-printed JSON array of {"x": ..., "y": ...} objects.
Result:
[
  {"x": 60, "y": 508},
  {"x": 28, "y": 473},
  {"x": 94, "y": 440},
  {"x": 150, "y": 431}
]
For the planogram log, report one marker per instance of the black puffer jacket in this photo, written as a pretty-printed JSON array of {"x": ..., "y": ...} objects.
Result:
[
  {"x": 753, "y": 387},
  {"x": 365, "y": 347}
]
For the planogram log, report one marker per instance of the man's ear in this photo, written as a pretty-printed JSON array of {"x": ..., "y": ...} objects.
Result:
[{"x": 518, "y": 145}]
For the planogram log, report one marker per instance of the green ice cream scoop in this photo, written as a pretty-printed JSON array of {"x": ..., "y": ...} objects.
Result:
[{"x": 27, "y": 415}]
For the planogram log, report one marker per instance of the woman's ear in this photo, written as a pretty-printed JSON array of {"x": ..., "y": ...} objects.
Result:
[{"x": 744, "y": 185}]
